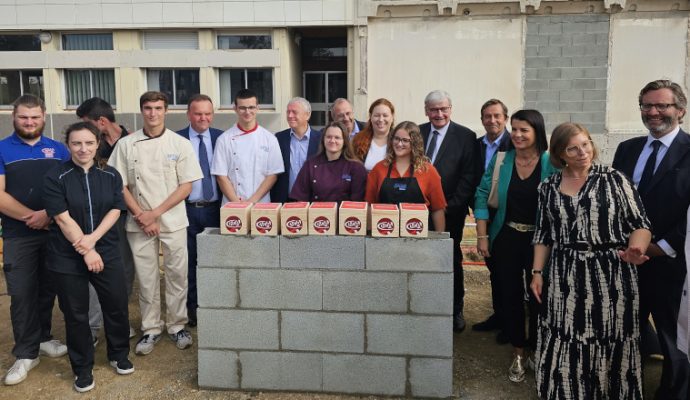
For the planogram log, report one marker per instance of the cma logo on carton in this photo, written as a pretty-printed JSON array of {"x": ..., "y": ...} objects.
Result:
[
  {"x": 414, "y": 226},
  {"x": 233, "y": 223},
  {"x": 322, "y": 224},
  {"x": 385, "y": 226},
  {"x": 352, "y": 224},
  {"x": 263, "y": 225},
  {"x": 294, "y": 224}
]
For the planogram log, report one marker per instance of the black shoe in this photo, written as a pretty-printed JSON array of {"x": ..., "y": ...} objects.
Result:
[
  {"x": 84, "y": 382},
  {"x": 191, "y": 317},
  {"x": 458, "y": 323},
  {"x": 502, "y": 337},
  {"x": 490, "y": 324},
  {"x": 123, "y": 367}
]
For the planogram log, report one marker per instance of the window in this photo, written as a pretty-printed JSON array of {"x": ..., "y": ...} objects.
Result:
[
  {"x": 171, "y": 40},
  {"x": 90, "y": 41},
  {"x": 232, "y": 42},
  {"x": 14, "y": 83},
  {"x": 178, "y": 84},
  {"x": 84, "y": 84},
  {"x": 20, "y": 43},
  {"x": 259, "y": 80}
]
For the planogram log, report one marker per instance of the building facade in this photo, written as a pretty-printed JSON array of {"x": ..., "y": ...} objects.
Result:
[{"x": 581, "y": 61}]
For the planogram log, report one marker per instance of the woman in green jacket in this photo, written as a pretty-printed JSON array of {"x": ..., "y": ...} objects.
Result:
[{"x": 505, "y": 233}]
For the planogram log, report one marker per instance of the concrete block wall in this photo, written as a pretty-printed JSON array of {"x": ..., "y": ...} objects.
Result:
[
  {"x": 332, "y": 314},
  {"x": 566, "y": 69}
]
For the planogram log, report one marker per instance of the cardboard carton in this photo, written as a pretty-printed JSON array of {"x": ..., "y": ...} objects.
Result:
[
  {"x": 352, "y": 218},
  {"x": 385, "y": 220},
  {"x": 266, "y": 219},
  {"x": 293, "y": 219},
  {"x": 323, "y": 218},
  {"x": 414, "y": 220},
  {"x": 234, "y": 218}
]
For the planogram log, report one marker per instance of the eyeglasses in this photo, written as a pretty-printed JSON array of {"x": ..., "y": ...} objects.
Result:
[
  {"x": 438, "y": 109},
  {"x": 249, "y": 108},
  {"x": 401, "y": 140},
  {"x": 573, "y": 151},
  {"x": 661, "y": 107}
]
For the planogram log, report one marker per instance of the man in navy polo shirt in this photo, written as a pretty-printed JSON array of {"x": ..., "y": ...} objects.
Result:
[{"x": 25, "y": 156}]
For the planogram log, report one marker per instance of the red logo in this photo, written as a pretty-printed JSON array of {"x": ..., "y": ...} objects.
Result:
[
  {"x": 263, "y": 224},
  {"x": 49, "y": 152},
  {"x": 233, "y": 223},
  {"x": 385, "y": 226},
  {"x": 352, "y": 224},
  {"x": 294, "y": 224},
  {"x": 414, "y": 226},
  {"x": 322, "y": 224}
]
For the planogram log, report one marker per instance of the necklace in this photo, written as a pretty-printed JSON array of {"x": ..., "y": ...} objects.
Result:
[
  {"x": 527, "y": 163},
  {"x": 574, "y": 177}
]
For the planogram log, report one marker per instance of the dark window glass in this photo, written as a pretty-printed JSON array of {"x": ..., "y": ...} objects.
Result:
[
  {"x": 14, "y": 83},
  {"x": 259, "y": 80},
  {"x": 91, "y": 41},
  {"x": 227, "y": 42},
  {"x": 20, "y": 43},
  {"x": 179, "y": 85}
]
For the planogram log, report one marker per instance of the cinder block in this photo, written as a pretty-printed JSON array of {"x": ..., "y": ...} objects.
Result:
[
  {"x": 547, "y": 106},
  {"x": 574, "y": 51},
  {"x": 431, "y": 293},
  {"x": 574, "y": 27},
  {"x": 584, "y": 84},
  {"x": 364, "y": 291},
  {"x": 571, "y": 95},
  {"x": 320, "y": 331},
  {"x": 549, "y": 73},
  {"x": 550, "y": 51},
  {"x": 531, "y": 51},
  {"x": 590, "y": 95},
  {"x": 560, "y": 62},
  {"x": 216, "y": 250},
  {"x": 559, "y": 40},
  {"x": 364, "y": 374},
  {"x": 281, "y": 371},
  {"x": 409, "y": 254},
  {"x": 598, "y": 27},
  {"x": 280, "y": 289},
  {"x": 596, "y": 50},
  {"x": 570, "y": 106},
  {"x": 341, "y": 252},
  {"x": 550, "y": 29},
  {"x": 536, "y": 62},
  {"x": 431, "y": 377},
  {"x": 238, "y": 329},
  {"x": 536, "y": 84},
  {"x": 548, "y": 95},
  {"x": 595, "y": 106},
  {"x": 590, "y": 61},
  {"x": 560, "y": 84},
  {"x": 536, "y": 40},
  {"x": 218, "y": 369},
  {"x": 584, "y": 38},
  {"x": 216, "y": 287},
  {"x": 410, "y": 334},
  {"x": 573, "y": 73}
]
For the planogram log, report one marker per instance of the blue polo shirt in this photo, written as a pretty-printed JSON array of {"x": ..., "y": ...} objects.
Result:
[{"x": 24, "y": 166}]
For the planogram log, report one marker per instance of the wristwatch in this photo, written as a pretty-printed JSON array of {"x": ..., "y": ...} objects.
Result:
[{"x": 536, "y": 271}]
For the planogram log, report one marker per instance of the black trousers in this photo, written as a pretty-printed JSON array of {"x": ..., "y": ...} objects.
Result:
[
  {"x": 199, "y": 218},
  {"x": 455, "y": 223},
  {"x": 73, "y": 293},
  {"x": 512, "y": 255},
  {"x": 31, "y": 292},
  {"x": 495, "y": 297}
]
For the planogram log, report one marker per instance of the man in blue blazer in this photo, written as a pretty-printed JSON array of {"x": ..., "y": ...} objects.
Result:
[
  {"x": 203, "y": 203},
  {"x": 341, "y": 111},
  {"x": 659, "y": 165},
  {"x": 297, "y": 144}
]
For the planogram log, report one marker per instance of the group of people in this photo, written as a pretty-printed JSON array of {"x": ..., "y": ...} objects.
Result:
[{"x": 555, "y": 226}]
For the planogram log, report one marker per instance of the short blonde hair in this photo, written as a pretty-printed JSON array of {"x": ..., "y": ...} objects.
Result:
[{"x": 561, "y": 137}]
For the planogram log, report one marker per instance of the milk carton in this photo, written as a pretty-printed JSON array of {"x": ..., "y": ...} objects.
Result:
[
  {"x": 414, "y": 220},
  {"x": 323, "y": 218},
  {"x": 353, "y": 218},
  {"x": 234, "y": 218},
  {"x": 385, "y": 219},
  {"x": 293, "y": 219},
  {"x": 266, "y": 219}
]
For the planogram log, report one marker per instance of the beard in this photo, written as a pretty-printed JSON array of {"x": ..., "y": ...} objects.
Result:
[
  {"x": 667, "y": 122},
  {"x": 29, "y": 135}
]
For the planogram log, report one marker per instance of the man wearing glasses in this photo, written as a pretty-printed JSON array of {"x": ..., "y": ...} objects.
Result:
[
  {"x": 659, "y": 166},
  {"x": 450, "y": 147},
  {"x": 247, "y": 158}
]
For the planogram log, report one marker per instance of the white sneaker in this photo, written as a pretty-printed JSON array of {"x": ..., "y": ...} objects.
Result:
[
  {"x": 52, "y": 348},
  {"x": 20, "y": 370},
  {"x": 146, "y": 343}
]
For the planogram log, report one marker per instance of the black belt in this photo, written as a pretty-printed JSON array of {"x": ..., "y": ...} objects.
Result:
[
  {"x": 585, "y": 246},
  {"x": 202, "y": 204}
]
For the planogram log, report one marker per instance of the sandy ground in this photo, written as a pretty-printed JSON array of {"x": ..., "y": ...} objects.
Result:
[{"x": 479, "y": 372}]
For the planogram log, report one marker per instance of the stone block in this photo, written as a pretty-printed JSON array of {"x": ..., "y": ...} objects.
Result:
[
  {"x": 590, "y": 61},
  {"x": 218, "y": 369},
  {"x": 546, "y": 106},
  {"x": 598, "y": 27},
  {"x": 574, "y": 51},
  {"x": 559, "y": 40},
  {"x": 531, "y": 51},
  {"x": 548, "y": 95},
  {"x": 238, "y": 329},
  {"x": 536, "y": 62},
  {"x": 584, "y": 84},
  {"x": 594, "y": 106},
  {"x": 570, "y": 106},
  {"x": 218, "y": 287},
  {"x": 320, "y": 331},
  {"x": 431, "y": 377},
  {"x": 536, "y": 84},
  {"x": 531, "y": 96},
  {"x": 216, "y": 250},
  {"x": 560, "y": 62},
  {"x": 280, "y": 289},
  {"x": 431, "y": 293},
  {"x": 364, "y": 374},
  {"x": 571, "y": 95},
  {"x": 281, "y": 371},
  {"x": 410, "y": 335},
  {"x": 574, "y": 27},
  {"x": 596, "y": 50},
  {"x": 536, "y": 40},
  {"x": 594, "y": 95},
  {"x": 560, "y": 84},
  {"x": 341, "y": 252},
  {"x": 550, "y": 29},
  {"x": 573, "y": 73},
  {"x": 550, "y": 51},
  {"x": 410, "y": 254},
  {"x": 549, "y": 73},
  {"x": 583, "y": 39},
  {"x": 364, "y": 291}
]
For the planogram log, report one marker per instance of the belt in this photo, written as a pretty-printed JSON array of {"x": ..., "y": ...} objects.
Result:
[
  {"x": 202, "y": 204},
  {"x": 521, "y": 227},
  {"x": 588, "y": 247}
]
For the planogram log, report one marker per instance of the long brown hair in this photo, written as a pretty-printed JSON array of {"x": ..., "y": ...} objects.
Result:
[
  {"x": 362, "y": 140},
  {"x": 88, "y": 126},
  {"x": 346, "y": 152},
  {"x": 418, "y": 160}
]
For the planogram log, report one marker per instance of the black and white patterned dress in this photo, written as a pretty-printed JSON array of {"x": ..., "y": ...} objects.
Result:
[{"x": 588, "y": 341}]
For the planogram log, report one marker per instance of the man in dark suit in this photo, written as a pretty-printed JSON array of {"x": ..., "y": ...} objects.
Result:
[
  {"x": 297, "y": 144},
  {"x": 451, "y": 149},
  {"x": 341, "y": 111},
  {"x": 203, "y": 203},
  {"x": 494, "y": 116},
  {"x": 659, "y": 165}
]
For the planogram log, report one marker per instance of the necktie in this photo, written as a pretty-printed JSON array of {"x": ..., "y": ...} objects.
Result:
[
  {"x": 206, "y": 184},
  {"x": 648, "y": 171},
  {"x": 432, "y": 145}
]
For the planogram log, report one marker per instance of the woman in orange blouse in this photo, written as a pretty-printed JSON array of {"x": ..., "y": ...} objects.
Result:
[
  {"x": 405, "y": 175},
  {"x": 370, "y": 143}
]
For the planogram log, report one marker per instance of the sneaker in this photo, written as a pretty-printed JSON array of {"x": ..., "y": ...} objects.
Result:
[
  {"x": 52, "y": 348},
  {"x": 20, "y": 370},
  {"x": 132, "y": 332},
  {"x": 84, "y": 382},
  {"x": 123, "y": 367},
  {"x": 146, "y": 343},
  {"x": 516, "y": 373},
  {"x": 182, "y": 339}
]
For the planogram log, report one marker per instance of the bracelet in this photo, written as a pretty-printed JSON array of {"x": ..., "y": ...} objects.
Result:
[
  {"x": 536, "y": 271},
  {"x": 483, "y": 237}
]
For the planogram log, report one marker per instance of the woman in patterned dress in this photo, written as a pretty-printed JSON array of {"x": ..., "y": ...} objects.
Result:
[{"x": 591, "y": 229}]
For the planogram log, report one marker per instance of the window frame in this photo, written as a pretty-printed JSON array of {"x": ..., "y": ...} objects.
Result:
[
  {"x": 21, "y": 85},
  {"x": 63, "y": 34},
  {"x": 172, "y": 103},
  {"x": 256, "y": 33},
  {"x": 64, "y": 73},
  {"x": 265, "y": 106}
]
